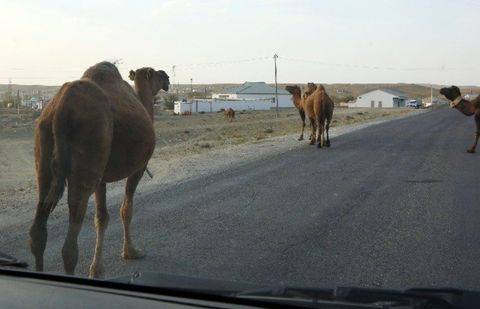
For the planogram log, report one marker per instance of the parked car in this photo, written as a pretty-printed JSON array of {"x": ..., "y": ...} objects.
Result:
[{"x": 413, "y": 104}]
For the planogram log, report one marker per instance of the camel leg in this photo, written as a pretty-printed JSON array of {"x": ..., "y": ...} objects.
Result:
[
  {"x": 477, "y": 134},
  {"x": 38, "y": 230},
  {"x": 126, "y": 212},
  {"x": 327, "y": 128},
  {"x": 302, "y": 116},
  {"x": 82, "y": 183},
  {"x": 78, "y": 194},
  {"x": 38, "y": 235},
  {"x": 319, "y": 132},
  {"x": 323, "y": 134},
  {"x": 101, "y": 223},
  {"x": 313, "y": 132}
]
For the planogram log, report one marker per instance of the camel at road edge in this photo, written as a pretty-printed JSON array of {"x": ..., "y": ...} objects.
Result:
[
  {"x": 466, "y": 107},
  {"x": 318, "y": 107},
  {"x": 95, "y": 130}
]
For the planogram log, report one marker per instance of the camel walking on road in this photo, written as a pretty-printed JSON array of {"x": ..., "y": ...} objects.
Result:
[{"x": 95, "y": 130}]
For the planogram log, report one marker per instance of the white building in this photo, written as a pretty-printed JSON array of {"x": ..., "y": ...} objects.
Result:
[
  {"x": 381, "y": 98},
  {"x": 256, "y": 90},
  {"x": 216, "y": 105},
  {"x": 31, "y": 103}
]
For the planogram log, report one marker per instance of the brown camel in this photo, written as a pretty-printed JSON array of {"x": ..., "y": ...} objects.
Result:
[
  {"x": 311, "y": 87},
  {"x": 468, "y": 108},
  {"x": 318, "y": 107},
  {"x": 95, "y": 130},
  {"x": 298, "y": 102},
  {"x": 229, "y": 113}
]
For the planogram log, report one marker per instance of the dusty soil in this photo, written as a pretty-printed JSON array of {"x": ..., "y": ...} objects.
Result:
[
  {"x": 186, "y": 135},
  {"x": 182, "y": 142}
]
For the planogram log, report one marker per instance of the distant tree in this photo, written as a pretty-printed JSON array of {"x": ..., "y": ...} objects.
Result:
[
  {"x": 342, "y": 98},
  {"x": 169, "y": 100},
  {"x": 7, "y": 99},
  {"x": 335, "y": 99},
  {"x": 348, "y": 98},
  {"x": 198, "y": 95}
]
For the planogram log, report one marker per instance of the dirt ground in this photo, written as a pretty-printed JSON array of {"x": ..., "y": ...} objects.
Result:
[
  {"x": 178, "y": 137},
  {"x": 185, "y": 135}
]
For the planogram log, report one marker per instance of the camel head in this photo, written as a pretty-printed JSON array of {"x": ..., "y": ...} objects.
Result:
[
  {"x": 294, "y": 90},
  {"x": 148, "y": 77},
  {"x": 456, "y": 101},
  {"x": 451, "y": 93}
]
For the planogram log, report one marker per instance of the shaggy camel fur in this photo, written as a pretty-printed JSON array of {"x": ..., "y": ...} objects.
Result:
[
  {"x": 311, "y": 87},
  {"x": 95, "y": 130},
  {"x": 318, "y": 107},
  {"x": 466, "y": 107},
  {"x": 229, "y": 114}
]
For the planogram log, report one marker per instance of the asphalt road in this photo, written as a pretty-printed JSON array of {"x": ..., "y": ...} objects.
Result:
[{"x": 394, "y": 205}]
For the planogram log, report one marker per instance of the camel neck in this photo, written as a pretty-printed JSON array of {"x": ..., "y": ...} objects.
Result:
[
  {"x": 465, "y": 106},
  {"x": 297, "y": 100},
  {"x": 146, "y": 96}
]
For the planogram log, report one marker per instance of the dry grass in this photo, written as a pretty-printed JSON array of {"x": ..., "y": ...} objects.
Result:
[{"x": 184, "y": 135}]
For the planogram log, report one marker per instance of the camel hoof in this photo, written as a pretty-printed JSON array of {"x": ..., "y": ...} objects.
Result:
[
  {"x": 471, "y": 150},
  {"x": 96, "y": 272},
  {"x": 327, "y": 144},
  {"x": 132, "y": 254},
  {"x": 312, "y": 143},
  {"x": 319, "y": 145},
  {"x": 300, "y": 138}
]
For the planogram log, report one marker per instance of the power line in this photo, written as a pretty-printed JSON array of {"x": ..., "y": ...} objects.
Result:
[
  {"x": 216, "y": 63},
  {"x": 275, "y": 57},
  {"x": 191, "y": 66},
  {"x": 375, "y": 67}
]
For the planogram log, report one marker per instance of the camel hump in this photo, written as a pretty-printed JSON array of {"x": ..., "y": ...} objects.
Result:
[{"x": 103, "y": 72}]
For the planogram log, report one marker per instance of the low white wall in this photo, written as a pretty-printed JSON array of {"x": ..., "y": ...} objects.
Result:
[{"x": 215, "y": 105}]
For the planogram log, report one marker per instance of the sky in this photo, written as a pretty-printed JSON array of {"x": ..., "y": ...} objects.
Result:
[{"x": 221, "y": 41}]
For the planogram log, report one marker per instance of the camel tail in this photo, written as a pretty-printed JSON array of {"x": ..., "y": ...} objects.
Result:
[{"x": 60, "y": 164}]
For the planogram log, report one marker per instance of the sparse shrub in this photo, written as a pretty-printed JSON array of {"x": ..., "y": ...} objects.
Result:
[
  {"x": 169, "y": 100},
  {"x": 205, "y": 145},
  {"x": 269, "y": 130}
]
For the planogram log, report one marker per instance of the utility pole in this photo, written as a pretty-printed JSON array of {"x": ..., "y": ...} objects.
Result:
[
  {"x": 431, "y": 94},
  {"x": 9, "y": 99},
  {"x": 276, "y": 85},
  {"x": 191, "y": 85},
  {"x": 173, "y": 76},
  {"x": 18, "y": 101}
]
